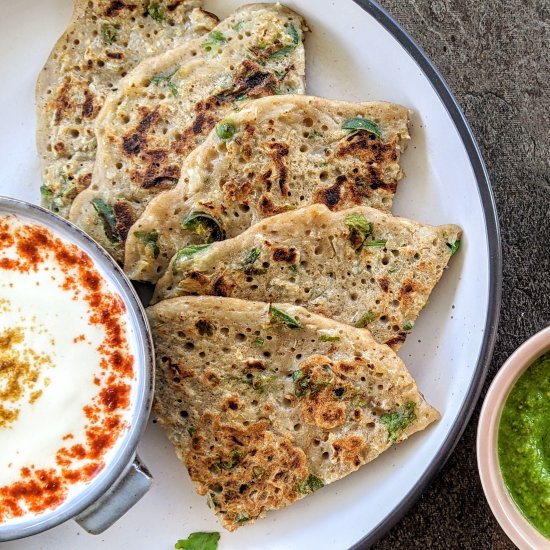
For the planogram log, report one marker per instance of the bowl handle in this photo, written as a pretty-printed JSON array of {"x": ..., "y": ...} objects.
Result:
[{"x": 131, "y": 485}]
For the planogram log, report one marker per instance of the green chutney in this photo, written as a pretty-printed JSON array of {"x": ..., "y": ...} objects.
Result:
[{"x": 524, "y": 444}]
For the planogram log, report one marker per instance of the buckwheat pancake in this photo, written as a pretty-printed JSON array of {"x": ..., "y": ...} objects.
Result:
[
  {"x": 359, "y": 266},
  {"x": 103, "y": 42},
  {"x": 277, "y": 154},
  {"x": 167, "y": 106},
  {"x": 266, "y": 404}
]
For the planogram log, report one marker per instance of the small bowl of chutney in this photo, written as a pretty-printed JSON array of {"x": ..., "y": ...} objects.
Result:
[{"x": 513, "y": 444}]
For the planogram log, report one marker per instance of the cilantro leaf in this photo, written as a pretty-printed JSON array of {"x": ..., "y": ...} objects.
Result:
[
  {"x": 295, "y": 35},
  {"x": 155, "y": 11},
  {"x": 454, "y": 247},
  {"x": 362, "y": 124},
  {"x": 150, "y": 240},
  {"x": 199, "y": 541},
  {"x": 310, "y": 484},
  {"x": 289, "y": 321},
  {"x": 107, "y": 216},
  {"x": 365, "y": 319},
  {"x": 397, "y": 421}
]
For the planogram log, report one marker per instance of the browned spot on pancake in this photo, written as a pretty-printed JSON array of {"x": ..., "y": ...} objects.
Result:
[
  {"x": 237, "y": 191},
  {"x": 255, "y": 364},
  {"x": 265, "y": 178},
  {"x": 88, "y": 105},
  {"x": 323, "y": 410},
  {"x": 278, "y": 153},
  {"x": 229, "y": 459},
  {"x": 200, "y": 120},
  {"x": 266, "y": 205},
  {"x": 268, "y": 208},
  {"x": 249, "y": 131},
  {"x": 173, "y": 5},
  {"x": 289, "y": 255},
  {"x": 134, "y": 141},
  {"x": 222, "y": 287},
  {"x": 115, "y": 55},
  {"x": 205, "y": 119},
  {"x": 396, "y": 341},
  {"x": 195, "y": 282},
  {"x": 157, "y": 175},
  {"x": 232, "y": 402},
  {"x": 373, "y": 156},
  {"x": 63, "y": 103},
  {"x": 331, "y": 195},
  {"x": 250, "y": 80},
  {"x": 349, "y": 449},
  {"x": 344, "y": 367},
  {"x": 125, "y": 218},
  {"x": 204, "y": 327},
  {"x": 132, "y": 144},
  {"x": 356, "y": 239},
  {"x": 406, "y": 291},
  {"x": 116, "y": 6},
  {"x": 83, "y": 182},
  {"x": 384, "y": 283},
  {"x": 197, "y": 276},
  {"x": 179, "y": 371},
  {"x": 59, "y": 147},
  {"x": 211, "y": 379},
  {"x": 245, "y": 142}
]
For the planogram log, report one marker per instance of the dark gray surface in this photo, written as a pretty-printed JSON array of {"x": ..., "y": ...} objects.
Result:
[{"x": 496, "y": 58}]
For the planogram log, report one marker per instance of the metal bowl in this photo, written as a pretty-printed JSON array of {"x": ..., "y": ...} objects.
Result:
[{"x": 124, "y": 480}]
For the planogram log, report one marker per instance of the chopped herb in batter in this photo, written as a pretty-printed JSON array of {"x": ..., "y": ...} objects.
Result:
[
  {"x": 310, "y": 484},
  {"x": 362, "y": 124},
  {"x": 150, "y": 240},
  {"x": 397, "y": 421},
  {"x": 277, "y": 314}
]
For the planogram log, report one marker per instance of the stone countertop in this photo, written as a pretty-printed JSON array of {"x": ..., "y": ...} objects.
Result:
[{"x": 496, "y": 58}]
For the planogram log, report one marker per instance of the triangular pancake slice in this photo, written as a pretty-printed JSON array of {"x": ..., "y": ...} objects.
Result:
[
  {"x": 277, "y": 154},
  {"x": 266, "y": 404},
  {"x": 169, "y": 103},
  {"x": 359, "y": 266},
  {"x": 104, "y": 41}
]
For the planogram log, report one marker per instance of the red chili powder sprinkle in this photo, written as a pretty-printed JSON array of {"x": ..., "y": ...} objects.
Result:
[{"x": 39, "y": 490}]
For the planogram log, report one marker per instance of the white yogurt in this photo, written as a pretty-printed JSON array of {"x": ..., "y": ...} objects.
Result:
[{"x": 61, "y": 379}]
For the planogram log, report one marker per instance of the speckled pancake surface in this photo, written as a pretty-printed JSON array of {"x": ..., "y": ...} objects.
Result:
[
  {"x": 358, "y": 266},
  {"x": 168, "y": 104},
  {"x": 103, "y": 42},
  {"x": 266, "y": 404},
  {"x": 280, "y": 153}
]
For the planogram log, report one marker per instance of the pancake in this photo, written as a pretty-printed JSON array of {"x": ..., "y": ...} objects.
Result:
[
  {"x": 267, "y": 404},
  {"x": 168, "y": 104},
  {"x": 283, "y": 153},
  {"x": 103, "y": 42},
  {"x": 358, "y": 266}
]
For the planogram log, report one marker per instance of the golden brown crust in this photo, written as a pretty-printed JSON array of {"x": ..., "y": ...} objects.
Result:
[
  {"x": 262, "y": 414},
  {"x": 312, "y": 257},
  {"x": 287, "y": 152},
  {"x": 168, "y": 104},
  {"x": 103, "y": 42}
]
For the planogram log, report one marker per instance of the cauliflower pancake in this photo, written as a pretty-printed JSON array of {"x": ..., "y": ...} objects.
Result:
[
  {"x": 358, "y": 266},
  {"x": 279, "y": 153},
  {"x": 266, "y": 404},
  {"x": 167, "y": 106},
  {"x": 104, "y": 40}
]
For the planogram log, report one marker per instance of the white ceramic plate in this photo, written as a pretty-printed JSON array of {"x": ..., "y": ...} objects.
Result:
[{"x": 355, "y": 52}]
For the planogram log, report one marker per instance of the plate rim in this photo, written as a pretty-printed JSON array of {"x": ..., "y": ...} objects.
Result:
[{"x": 492, "y": 229}]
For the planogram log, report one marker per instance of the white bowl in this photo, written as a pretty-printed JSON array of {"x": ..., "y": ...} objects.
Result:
[{"x": 518, "y": 529}]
